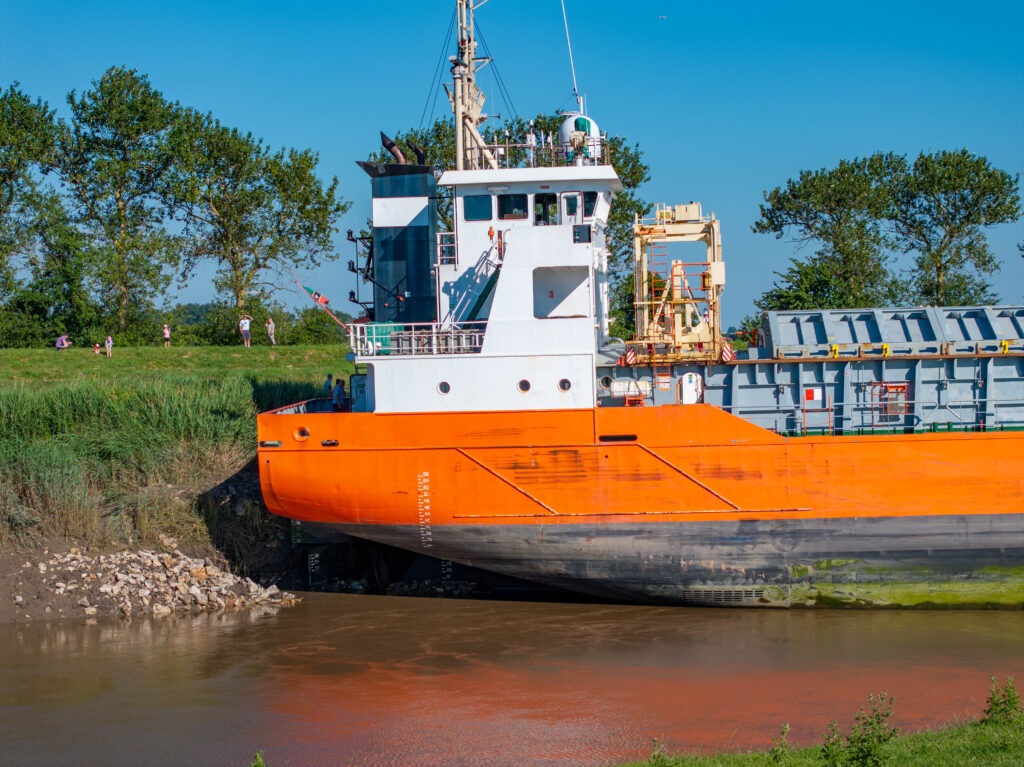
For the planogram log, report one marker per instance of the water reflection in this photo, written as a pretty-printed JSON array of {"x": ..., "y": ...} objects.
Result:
[{"x": 369, "y": 680}]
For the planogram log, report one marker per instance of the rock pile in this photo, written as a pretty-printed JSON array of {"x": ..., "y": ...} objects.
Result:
[{"x": 149, "y": 582}]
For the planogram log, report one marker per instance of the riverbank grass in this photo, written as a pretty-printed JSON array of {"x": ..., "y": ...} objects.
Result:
[
  {"x": 294, "y": 363},
  {"x": 114, "y": 452},
  {"x": 995, "y": 741}
]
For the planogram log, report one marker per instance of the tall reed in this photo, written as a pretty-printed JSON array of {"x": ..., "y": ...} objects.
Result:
[{"x": 115, "y": 460}]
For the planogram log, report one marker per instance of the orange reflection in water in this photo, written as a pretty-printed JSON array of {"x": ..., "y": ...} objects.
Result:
[{"x": 585, "y": 685}]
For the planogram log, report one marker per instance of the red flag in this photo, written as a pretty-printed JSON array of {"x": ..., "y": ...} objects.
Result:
[{"x": 320, "y": 298}]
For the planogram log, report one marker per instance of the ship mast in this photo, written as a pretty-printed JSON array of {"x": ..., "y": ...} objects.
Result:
[{"x": 467, "y": 99}]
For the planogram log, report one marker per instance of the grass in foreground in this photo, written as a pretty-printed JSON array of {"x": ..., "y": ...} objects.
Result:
[
  {"x": 117, "y": 451},
  {"x": 995, "y": 741},
  {"x": 292, "y": 363}
]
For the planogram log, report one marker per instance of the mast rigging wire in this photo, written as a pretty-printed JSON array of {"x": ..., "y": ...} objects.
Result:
[
  {"x": 572, "y": 65},
  {"x": 499, "y": 81},
  {"x": 435, "y": 83}
]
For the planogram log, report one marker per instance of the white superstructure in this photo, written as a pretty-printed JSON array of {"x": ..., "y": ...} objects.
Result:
[{"x": 520, "y": 286}]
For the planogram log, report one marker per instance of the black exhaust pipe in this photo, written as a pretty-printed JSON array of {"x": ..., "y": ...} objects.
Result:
[{"x": 392, "y": 147}]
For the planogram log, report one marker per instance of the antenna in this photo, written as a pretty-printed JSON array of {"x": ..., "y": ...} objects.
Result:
[
  {"x": 466, "y": 98},
  {"x": 572, "y": 66}
]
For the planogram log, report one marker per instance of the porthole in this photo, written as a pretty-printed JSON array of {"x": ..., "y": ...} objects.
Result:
[
  {"x": 524, "y": 386},
  {"x": 565, "y": 384},
  {"x": 301, "y": 434},
  {"x": 605, "y": 382},
  {"x": 444, "y": 387}
]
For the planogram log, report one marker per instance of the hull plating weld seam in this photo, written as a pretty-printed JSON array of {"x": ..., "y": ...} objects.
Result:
[
  {"x": 514, "y": 486},
  {"x": 695, "y": 481}
]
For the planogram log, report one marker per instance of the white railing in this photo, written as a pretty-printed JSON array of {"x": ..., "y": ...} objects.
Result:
[
  {"x": 417, "y": 338},
  {"x": 595, "y": 151}
]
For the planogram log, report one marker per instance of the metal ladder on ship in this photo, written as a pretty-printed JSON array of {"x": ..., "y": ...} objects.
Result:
[{"x": 659, "y": 268}]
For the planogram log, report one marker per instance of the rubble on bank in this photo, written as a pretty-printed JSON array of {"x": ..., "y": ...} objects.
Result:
[{"x": 132, "y": 583}]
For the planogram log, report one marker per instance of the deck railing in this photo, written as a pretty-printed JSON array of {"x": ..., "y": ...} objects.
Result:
[
  {"x": 595, "y": 151},
  {"x": 417, "y": 338}
]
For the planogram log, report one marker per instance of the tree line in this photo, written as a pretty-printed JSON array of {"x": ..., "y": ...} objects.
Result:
[
  {"x": 865, "y": 213},
  {"x": 101, "y": 213}
]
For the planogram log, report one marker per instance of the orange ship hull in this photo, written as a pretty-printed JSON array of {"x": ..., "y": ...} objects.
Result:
[{"x": 685, "y": 504}]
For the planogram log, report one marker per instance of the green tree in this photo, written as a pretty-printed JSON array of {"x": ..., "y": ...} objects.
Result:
[
  {"x": 842, "y": 211},
  {"x": 939, "y": 207},
  {"x": 27, "y": 136},
  {"x": 55, "y": 298},
  {"x": 312, "y": 325},
  {"x": 623, "y": 316},
  {"x": 862, "y": 212},
  {"x": 112, "y": 158},
  {"x": 253, "y": 212}
]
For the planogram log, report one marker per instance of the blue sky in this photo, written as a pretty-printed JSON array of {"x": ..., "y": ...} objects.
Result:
[{"x": 726, "y": 100}]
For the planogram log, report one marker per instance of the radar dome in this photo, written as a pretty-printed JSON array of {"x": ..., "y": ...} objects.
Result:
[{"x": 580, "y": 138}]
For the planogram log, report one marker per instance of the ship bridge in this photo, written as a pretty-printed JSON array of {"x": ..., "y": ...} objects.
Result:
[{"x": 507, "y": 310}]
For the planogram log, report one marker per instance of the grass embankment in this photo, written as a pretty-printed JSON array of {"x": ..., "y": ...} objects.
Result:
[
  {"x": 977, "y": 744},
  {"x": 116, "y": 451}
]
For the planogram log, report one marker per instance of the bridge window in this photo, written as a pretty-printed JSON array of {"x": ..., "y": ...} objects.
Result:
[
  {"x": 589, "y": 204},
  {"x": 571, "y": 205},
  {"x": 545, "y": 209},
  {"x": 477, "y": 207},
  {"x": 512, "y": 206}
]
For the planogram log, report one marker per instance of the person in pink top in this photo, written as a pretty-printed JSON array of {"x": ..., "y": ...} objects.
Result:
[{"x": 167, "y": 336}]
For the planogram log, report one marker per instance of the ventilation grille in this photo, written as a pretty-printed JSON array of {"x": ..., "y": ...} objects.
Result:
[{"x": 722, "y": 596}]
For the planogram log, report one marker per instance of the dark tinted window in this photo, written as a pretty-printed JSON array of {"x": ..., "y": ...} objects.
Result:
[
  {"x": 512, "y": 205},
  {"x": 477, "y": 207},
  {"x": 545, "y": 209}
]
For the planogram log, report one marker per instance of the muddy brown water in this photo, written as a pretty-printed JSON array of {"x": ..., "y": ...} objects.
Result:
[{"x": 363, "y": 680}]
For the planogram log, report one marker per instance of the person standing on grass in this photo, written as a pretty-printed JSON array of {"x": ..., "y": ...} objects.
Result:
[
  {"x": 243, "y": 328},
  {"x": 167, "y": 337},
  {"x": 270, "y": 331},
  {"x": 110, "y": 346},
  {"x": 329, "y": 384}
]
